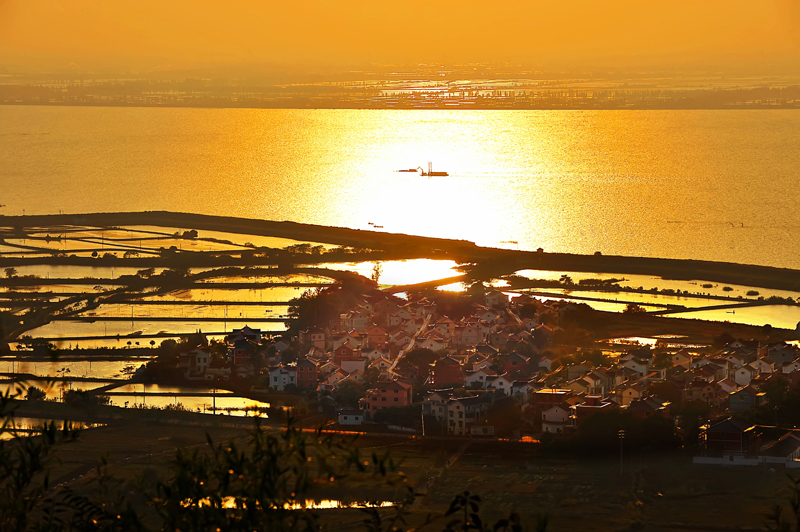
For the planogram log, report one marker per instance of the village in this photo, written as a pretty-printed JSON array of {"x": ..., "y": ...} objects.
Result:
[{"x": 484, "y": 365}]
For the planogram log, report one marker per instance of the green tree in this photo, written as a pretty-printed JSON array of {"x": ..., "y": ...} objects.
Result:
[
  {"x": 420, "y": 358},
  {"x": 597, "y": 358},
  {"x": 320, "y": 307},
  {"x": 371, "y": 376},
  {"x": 662, "y": 360},
  {"x": 349, "y": 393},
  {"x": 146, "y": 273},
  {"x": 377, "y": 270},
  {"x": 633, "y": 308},
  {"x": 505, "y": 415},
  {"x": 11, "y": 272}
]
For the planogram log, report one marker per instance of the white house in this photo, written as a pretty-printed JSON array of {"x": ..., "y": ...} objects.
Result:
[
  {"x": 626, "y": 394},
  {"x": 198, "y": 361},
  {"x": 351, "y": 417},
  {"x": 357, "y": 319},
  {"x": 280, "y": 377},
  {"x": 682, "y": 359},
  {"x": 761, "y": 366},
  {"x": 744, "y": 375},
  {"x": 791, "y": 367},
  {"x": 546, "y": 362},
  {"x": 499, "y": 382},
  {"x": 727, "y": 385},
  {"x": 496, "y": 298},
  {"x": 555, "y": 418},
  {"x": 479, "y": 376},
  {"x": 639, "y": 366}
]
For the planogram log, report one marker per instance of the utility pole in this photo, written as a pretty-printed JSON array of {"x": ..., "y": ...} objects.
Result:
[{"x": 621, "y": 437}]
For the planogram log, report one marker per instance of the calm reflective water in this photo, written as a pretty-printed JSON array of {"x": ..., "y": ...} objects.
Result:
[{"x": 719, "y": 185}]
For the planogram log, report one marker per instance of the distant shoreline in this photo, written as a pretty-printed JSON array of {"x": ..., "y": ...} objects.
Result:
[{"x": 498, "y": 107}]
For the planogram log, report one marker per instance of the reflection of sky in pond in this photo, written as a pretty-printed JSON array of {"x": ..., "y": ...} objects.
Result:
[
  {"x": 452, "y": 287},
  {"x": 324, "y": 504},
  {"x": 265, "y": 278},
  {"x": 398, "y": 272},
  {"x": 53, "y": 391},
  {"x": 657, "y": 299},
  {"x": 35, "y": 424},
  {"x": 597, "y": 305},
  {"x": 197, "y": 404},
  {"x": 259, "y": 241},
  {"x": 79, "y": 368},
  {"x": 78, "y": 272},
  {"x": 55, "y": 289},
  {"x": 649, "y": 281},
  {"x": 280, "y": 293},
  {"x": 782, "y": 316},
  {"x": 156, "y": 388},
  {"x": 224, "y": 399},
  {"x": 250, "y": 312},
  {"x": 60, "y": 329}
]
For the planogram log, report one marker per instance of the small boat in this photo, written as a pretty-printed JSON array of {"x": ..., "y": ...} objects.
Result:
[{"x": 431, "y": 173}]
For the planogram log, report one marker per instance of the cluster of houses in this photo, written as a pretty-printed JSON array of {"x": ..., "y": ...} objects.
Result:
[
  {"x": 490, "y": 352},
  {"x": 736, "y": 442},
  {"x": 729, "y": 381}
]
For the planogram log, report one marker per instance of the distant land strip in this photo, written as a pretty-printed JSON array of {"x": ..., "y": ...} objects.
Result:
[
  {"x": 486, "y": 262},
  {"x": 489, "y": 105}
]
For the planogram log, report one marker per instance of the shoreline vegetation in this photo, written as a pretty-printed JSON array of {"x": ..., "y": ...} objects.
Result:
[{"x": 486, "y": 262}]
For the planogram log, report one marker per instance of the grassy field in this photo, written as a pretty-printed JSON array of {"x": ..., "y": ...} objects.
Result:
[{"x": 665, "y": 492}]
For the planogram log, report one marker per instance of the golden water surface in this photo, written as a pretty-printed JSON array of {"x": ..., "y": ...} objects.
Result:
[{"x": 717, "y": 185}]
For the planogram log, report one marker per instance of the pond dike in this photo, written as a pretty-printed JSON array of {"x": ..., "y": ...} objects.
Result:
[{"x": 492, "y": 262}]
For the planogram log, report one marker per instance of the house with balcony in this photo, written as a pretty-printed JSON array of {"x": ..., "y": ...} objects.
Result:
[
  {"x": 731, "y": 438},
  {"x": 435, "y": 403},
  {"x": 463, "y": 412},
  {"x": 307, "y": 374},
  {"x": 591, "y": 406}
]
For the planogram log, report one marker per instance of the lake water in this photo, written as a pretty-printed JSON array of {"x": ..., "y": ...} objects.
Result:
[{"x": 716, "y": 185}]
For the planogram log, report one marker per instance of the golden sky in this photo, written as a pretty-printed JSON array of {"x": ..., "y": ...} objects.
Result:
[{"x": 145, "y": 34}]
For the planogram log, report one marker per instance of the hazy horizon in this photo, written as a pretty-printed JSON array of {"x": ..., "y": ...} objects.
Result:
[{"x": 147, "y": 36}]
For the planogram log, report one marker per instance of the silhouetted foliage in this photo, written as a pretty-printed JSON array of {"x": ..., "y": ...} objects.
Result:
[
  {"x": 404, "y": 416},
  {"x": 84, "y": 398},
  {"x": 600, "y": 433},
  {"x": 35, "y": 394},
  {"x": 505, "y": 415},
  {"x": 632, "y": 308},
  {"x": 319, "y": 307},
  {"x": 348, "y": 393}
]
